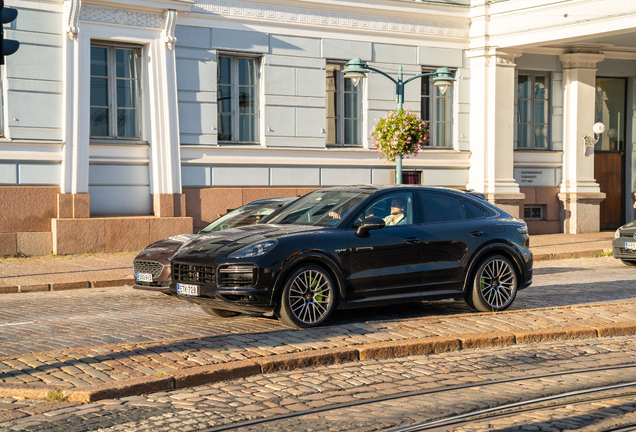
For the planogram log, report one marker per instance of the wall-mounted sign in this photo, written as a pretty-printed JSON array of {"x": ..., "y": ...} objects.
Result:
[{"x": 538, "y": 177}]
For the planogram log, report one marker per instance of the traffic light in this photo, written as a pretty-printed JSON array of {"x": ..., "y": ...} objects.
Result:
[{"x": 7, "y": 46}]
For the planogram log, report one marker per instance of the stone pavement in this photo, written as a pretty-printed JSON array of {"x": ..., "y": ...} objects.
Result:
[
  {"x": 280, "y": 393},
  {"x": 102, "y": 372},
  {"x": 54, "y": 273}
]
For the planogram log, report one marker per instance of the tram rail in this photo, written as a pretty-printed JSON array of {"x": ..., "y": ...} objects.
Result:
[{"x": 454, "y": 419}]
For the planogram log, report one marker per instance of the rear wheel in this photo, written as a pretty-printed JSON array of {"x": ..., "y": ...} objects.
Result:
[
  {"x": 308, "y": 297},
  {"x": 629, "y": 263},
  {"x": 221, "y": 313},
  {"x": 495, "y": 284}
]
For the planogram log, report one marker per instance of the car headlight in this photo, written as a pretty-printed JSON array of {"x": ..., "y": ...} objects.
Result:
[
  {"x": 617, "y": 234},
  {"x": 254, "y": 250}
]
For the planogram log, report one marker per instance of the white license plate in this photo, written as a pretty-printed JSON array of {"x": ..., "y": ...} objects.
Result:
[
  {"x": 192, "y": 290},
  {"x": 144, "y": 277},
  {"x": 630, "y": 245}
]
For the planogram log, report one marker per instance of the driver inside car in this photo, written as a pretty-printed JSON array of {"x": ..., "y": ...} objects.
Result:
[{"x": 398, "y": 204}]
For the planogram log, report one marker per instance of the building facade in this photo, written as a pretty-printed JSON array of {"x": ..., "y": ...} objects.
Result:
[{"x": 127, "y": 122}]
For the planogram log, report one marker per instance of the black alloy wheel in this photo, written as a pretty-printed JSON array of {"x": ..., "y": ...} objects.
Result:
[
  {"x": 221, "y": 313},
  {"x": 308, "y": 297},
  {"x": 629, "y": 263},
  {"x": 495, "y": 285}
]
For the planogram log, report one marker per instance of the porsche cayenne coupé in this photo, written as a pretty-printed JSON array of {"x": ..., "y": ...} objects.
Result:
[{"x": 356, "y": 246}]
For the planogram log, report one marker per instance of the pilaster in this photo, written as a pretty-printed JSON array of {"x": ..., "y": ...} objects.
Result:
[
  {"x": 580, "y": 194},
  {"x": 492, "y": 123}
]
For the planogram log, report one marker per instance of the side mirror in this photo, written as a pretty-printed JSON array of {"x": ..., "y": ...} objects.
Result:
[{"x": 370, "y": 223}]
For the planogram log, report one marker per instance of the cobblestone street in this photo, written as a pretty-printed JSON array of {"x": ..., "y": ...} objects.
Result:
[
  {"x": 38, "y": 322},
  {"x": 277, "y": 394},
  {"x": 85, "y": 318}
]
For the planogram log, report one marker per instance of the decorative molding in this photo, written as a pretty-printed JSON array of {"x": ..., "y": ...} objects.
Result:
[
  {"x": 122, "y": 17},
  {"x": 342, "y": 20},
  {"x": 170, "y": 16},
  {"x": 581, "y": 60},
  {"x": 492, "y": 57},
  {"x": 73, "y": 8}
]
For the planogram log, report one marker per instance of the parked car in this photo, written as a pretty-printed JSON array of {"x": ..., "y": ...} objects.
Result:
[
  {"x": 624, "y": 244},
  {"x": 357, "y": 246},
  {"x": 152, "y": 264}
]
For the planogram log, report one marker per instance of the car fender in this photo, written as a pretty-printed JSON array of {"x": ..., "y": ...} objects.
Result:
[
  {"x": 490, "y": 248},
  {"x": 306, "y": 256}
]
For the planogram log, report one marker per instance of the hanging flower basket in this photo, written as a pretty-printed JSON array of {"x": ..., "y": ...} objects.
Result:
[{"x": 398, "y": 133}]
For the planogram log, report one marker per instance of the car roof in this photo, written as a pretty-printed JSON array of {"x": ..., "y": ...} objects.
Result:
[
  {"x": 375, "y": 188},
  {"x": 273, "y": 200}
]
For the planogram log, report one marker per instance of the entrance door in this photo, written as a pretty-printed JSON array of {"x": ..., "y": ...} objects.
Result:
[{"x": 609, "y": 151}]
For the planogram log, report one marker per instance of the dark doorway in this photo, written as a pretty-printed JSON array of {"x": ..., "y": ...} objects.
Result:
[{"x": 609, "y": 157}]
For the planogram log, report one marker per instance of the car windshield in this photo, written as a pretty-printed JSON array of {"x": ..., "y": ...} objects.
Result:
[
  {"x": 246, "y": 215},
  {"x": 320, "y": 208}
]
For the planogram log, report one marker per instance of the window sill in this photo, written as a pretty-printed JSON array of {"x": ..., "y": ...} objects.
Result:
[{"x": 118, "y": 142}]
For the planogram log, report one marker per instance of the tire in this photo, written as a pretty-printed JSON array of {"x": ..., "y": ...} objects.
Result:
[
  {"x": 308, "y": 297},
  {"x": 629, "y": 263},
  {"x": 221, "y": 313},
  {"x": 495, "y": 284}
]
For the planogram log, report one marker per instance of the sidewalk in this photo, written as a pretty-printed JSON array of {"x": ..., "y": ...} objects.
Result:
[
  {"x": 113, "y": 371},
  {"x": 54, "y": 273}
]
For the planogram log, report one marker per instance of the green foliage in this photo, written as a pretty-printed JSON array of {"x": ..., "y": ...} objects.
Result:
[
  {"x": 605, "y": 254},
  {"x": 19, "y": 255},
  {"x": 399, "y": 132},
  {"x": 56, "y": 396}
]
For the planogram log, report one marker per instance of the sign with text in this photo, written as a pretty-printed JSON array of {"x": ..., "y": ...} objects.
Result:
[{"x": 538, "y": 177}]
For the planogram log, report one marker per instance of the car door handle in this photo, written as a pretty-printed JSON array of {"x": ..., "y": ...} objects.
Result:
[
  {"x": 476, "y": 234},
  {"x": 412, "y": 240}
]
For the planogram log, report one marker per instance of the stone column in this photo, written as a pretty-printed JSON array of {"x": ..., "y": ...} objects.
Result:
[
  {"x": 580, "y": 194},
  {"x": 492, "y": 90}
]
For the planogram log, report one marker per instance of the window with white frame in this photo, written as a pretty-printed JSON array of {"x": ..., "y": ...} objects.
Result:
[
  {"x": 344, "y": 108},
  {"x": 533, "y": 105},
  {"x": 437, "y": 110},
  {"x": 237, "y": 99},
  {"x": 114, "y": 98}
]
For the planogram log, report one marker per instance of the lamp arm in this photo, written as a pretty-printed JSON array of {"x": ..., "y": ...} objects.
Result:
[
  {"x": 420, "y": 76},
  {"x": 380, "y": 72}
]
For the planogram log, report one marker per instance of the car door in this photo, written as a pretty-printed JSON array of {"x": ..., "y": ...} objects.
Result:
[
  {"x": 387, "y": 261},
  {"x": 450, "y": 233}
]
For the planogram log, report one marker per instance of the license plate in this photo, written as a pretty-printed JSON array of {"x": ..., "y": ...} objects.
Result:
[
  {"x": 630, "y": 245},
  {"x": 192, "y": 290},
  {"x": 144, "y": 277}
]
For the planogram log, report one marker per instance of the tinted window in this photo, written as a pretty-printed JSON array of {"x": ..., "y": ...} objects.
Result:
[
  {"x": 395, "y": 209},
  {"x": 473, "y": 211},
  {"x": 436, "y": 207}
]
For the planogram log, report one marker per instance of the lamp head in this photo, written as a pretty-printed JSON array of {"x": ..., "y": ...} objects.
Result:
[
  {"x": 598, "y": 128},
  {"x": 355, "y": 70},
  {"x": 443, "y": 79}
]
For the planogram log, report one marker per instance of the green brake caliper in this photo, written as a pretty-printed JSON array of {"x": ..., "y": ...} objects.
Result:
[
  {"x": 483, "y": 283},
  {"x": 313, "y": 285}
]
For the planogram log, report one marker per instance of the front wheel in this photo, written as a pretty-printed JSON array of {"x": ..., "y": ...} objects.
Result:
[
  {"x": 629, "y": 263},
  {"x": 308, "y": 298},
  {"x": 221, "y": 313},
  {"x": 495, "y": 284}
]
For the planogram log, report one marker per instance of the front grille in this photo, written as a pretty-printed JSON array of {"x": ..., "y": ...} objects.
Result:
[
  {"x": 237, "y": 275},
  {"x": 625, "y": 251},
  {"x": 152, "y": 267},
  {"x": 197, "y": 274}
]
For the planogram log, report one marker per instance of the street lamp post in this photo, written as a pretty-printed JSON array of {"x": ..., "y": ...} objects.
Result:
[{"x": 356, "y": 70}]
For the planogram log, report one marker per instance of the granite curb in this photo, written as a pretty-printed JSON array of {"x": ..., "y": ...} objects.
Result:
[
  {"x": 200, "y": 375},
  {"x": 65, "y": 286}
]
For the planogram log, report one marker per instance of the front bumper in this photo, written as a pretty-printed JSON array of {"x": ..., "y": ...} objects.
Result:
[{"x": 619, "y": 250}]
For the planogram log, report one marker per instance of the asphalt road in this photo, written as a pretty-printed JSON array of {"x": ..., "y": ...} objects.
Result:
[{"x": 36, "y": 322}]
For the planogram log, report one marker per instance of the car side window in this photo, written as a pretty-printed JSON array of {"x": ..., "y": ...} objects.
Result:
[
  {"x": 437, "y": 207},
  {"x": 473, "y": 211},
  {"x": 395, "y": 208}
]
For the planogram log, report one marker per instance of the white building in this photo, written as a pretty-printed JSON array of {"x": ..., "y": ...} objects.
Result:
[{"x": 126, "y": 122}]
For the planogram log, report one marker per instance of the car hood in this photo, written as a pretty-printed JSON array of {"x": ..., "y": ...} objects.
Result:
[
  {"x": 629, "y": 226},
  {"x": 164, "y": 248},
  {"x": 225, "y": 242}
]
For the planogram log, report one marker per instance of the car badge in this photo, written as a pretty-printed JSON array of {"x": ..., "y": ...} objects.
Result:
[
  {"x": 147, "y": 254},
  {"x": 634, "y": 236}
]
